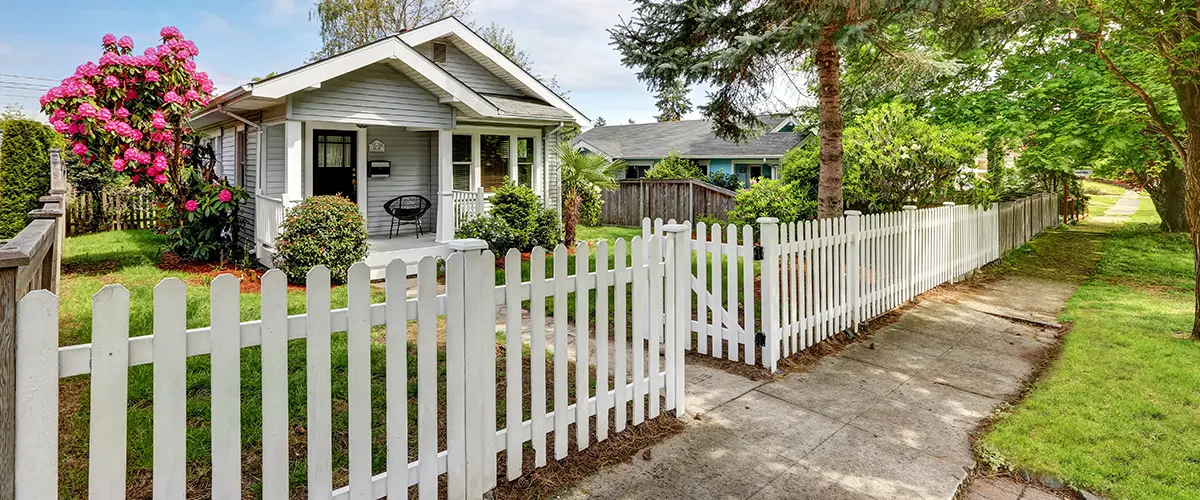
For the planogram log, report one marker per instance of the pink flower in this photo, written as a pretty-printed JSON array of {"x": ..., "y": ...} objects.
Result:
[
  {"x": 109, "y": 59},
  {"x": 60, "y": 126},
  {"x": 151, "y": 76},
  {"x": 109, "y": 39},
  {"x": 224, "y": 196},
  {"x": 122, "y": 113},
  {"x": 79, "y": 148},
  {"x": 86, "y": 109},
  {"x": 192, "y": 95},
  {"x": 170, "y": 32},
  {"x": 111, "y": 82},
  {"x": 135, "y": 178},
  {"x": 118, "y": 164},
  {"x": 104, "y": 114},
  {"x": 162, "y": 179},
  {"x": 131, "y": 154},
  {"x": 172, "y": 97},
  {"x": 125, "y": 43}
]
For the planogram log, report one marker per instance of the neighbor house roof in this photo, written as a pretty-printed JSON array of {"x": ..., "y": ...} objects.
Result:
[{"x": 691, "y": 138}]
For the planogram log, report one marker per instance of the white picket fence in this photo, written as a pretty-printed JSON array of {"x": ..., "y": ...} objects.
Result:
[
  {"x": 818, "y": 278},
  {"x": 651, "y": 383}
]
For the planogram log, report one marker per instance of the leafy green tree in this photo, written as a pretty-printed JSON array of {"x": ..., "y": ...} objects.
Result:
[
  {"x": 24, "y": 171},
  {"x": 346, "y": 24},
  {"x": 672, "y": 102},
  {"x": 581, "y": 170},
  {"x": 674, "y": 166},
  {"x": 742, "y": 48}
]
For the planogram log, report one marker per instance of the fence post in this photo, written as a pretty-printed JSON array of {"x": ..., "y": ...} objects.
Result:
[
  {"x": 469, "y": 406},
  {"x": 680, "y": 326},
  {"x": 911, "y": 244},
  {"x": 852, "y": 254},
  {"x": 769, "y": 238},
  {"x": 950, "y": 239}
]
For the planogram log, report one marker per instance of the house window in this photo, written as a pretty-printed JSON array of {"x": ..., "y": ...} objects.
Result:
[
  {"x": 493, "y": 161},
  {"x": 460, "y": 159},
  {"x": 525, "y": 161}
]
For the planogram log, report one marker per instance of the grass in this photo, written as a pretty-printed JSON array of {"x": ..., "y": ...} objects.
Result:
[
  {"x": 131, "y": 258},
  {"x": 1119, "y": 412},
  {"x": 594, "y": 234}
]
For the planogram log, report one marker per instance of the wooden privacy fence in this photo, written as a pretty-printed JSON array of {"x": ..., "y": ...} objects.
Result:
[
  {"x": 818, "y": 278},
  {"x": 121, "y": 209},
  {"x": 686, "y": 199},
  {"x": 642, "y": 387},
  {"x": 30, "y": 261}
]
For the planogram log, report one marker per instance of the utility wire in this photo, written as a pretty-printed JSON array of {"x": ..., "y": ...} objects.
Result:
[{"x": 30, "y": 77}]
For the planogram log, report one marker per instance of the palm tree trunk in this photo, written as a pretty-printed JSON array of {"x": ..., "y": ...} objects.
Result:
[
  {"x": 570, "y": 217},
  {"x": 829, "y": 187}
]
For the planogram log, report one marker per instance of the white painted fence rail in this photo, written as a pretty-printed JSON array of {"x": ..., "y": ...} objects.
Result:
[
  {"x": 818, "y": 278},
  {"x": 653, "y": 270}
]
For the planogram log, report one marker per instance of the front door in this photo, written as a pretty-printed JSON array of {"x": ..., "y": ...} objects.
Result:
[{"x": 335, "y": 169}]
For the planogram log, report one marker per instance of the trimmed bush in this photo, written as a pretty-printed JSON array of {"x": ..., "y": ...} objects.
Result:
[
  {"x": 546, "y": 231},
  {"x": 727, "y": 180},
  {"x": 515, "y": 204},
  {"x": 591, "y": 206},
  {"x": 674, "y": 166},
  {"x": 499, "y": 236},
  {"x": 24, "y": 171},
  {"x": 771, "y": 198},
  {"x": 321, "y": 230}
]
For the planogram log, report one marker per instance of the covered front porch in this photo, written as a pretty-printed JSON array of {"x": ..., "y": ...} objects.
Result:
[{"x": 453, "y": 169}]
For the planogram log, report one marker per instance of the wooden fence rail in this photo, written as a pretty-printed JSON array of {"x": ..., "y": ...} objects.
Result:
[
  {"x": 688, "y": 199},
  {"x": 118, "y": 210},
  {"x": 30, "y": 261}
]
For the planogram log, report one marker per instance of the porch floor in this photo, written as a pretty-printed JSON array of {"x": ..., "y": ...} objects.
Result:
[{"x": 412, "y": 249}]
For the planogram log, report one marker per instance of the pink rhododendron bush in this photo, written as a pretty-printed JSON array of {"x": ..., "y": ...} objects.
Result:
[{"x": 130, "y": 111}]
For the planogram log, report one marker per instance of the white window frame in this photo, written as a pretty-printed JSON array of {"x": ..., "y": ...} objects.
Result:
[{"x": 513, "y": 133}]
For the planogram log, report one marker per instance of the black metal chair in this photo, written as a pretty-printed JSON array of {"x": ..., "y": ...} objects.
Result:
[{"x": 406, "y": 209}]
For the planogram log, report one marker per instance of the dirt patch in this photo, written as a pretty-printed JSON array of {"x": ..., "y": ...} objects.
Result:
[{"x": 91, "y": 268}]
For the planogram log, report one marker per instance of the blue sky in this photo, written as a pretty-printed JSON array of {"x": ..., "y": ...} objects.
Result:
[{"x": 242, "y": 39}]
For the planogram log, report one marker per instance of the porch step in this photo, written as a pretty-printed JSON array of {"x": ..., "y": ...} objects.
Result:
[{"x": 378, "y": 260}]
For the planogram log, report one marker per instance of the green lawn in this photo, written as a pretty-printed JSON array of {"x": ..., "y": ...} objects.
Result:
[
  {"x": 593, "y": 234},
  {"x": 1101, "y": 196},
  {"x": 1119, "y": 412},
  {"x": 131, "y": 258}
]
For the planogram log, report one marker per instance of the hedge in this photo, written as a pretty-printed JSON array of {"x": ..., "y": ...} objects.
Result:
[{"x": 24, "y": 171}]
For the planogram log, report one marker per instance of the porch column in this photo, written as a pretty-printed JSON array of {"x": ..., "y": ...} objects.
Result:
[
  {"x": 294, "y": 161},
  {"x": 445, "y": 176}
]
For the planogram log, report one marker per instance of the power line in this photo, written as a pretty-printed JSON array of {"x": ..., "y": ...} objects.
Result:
[
  {"x": 30, "y": 77},
  {"x": 23, "y": 86},
  {"x": 19, "y": 95}
]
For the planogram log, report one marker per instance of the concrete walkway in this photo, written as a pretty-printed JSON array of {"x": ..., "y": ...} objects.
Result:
[
  {"x": 1126, "y": 206},
  {"x": 888, "y": 418}
]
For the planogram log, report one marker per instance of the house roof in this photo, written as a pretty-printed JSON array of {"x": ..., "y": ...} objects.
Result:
[
  {"x": 399, "y": 52},
  {"x": 691, "y": 138}
]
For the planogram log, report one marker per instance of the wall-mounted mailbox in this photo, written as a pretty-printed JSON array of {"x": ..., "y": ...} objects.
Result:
[{"x": 379, "y": 168}]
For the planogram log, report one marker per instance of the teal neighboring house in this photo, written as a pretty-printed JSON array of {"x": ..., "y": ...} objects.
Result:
[{"x": 642, "y": 145}]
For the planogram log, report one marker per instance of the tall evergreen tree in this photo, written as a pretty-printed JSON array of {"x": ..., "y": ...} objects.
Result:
[
  {"x": 672, "y": 102},
  {"x": 743, "y": 48},
  {"x": 599, "y": 122}
]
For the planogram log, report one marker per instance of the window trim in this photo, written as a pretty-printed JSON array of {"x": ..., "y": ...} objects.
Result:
[{"x": 538, "y": 135}]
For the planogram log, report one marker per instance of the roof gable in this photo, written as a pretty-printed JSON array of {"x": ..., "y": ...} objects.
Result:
[{"x": 483, "y": 53}]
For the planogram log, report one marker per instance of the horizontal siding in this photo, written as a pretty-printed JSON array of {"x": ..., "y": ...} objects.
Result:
[
  {"x": 412, "y": 173},
  {"x": 276, "y": 166},
  {"x": 553, "y": 183},
  {"x": 471, "y": 73},
  {"x": 250, "y": 176},
  {"x": 375, "y": 95},
  {"x": 227, "y": 162}
]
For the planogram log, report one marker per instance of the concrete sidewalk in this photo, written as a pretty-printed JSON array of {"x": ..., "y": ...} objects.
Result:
[{"x": 888, "y": 418}]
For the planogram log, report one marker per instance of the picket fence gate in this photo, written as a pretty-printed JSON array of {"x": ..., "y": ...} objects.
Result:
[
  {"x": 818, "y": 278},
  {"x": 653, "y": 270}
]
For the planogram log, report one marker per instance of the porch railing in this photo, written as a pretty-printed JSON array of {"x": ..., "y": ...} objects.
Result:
[
  {"x": 268, "y": 214},
  {"x": 467, "y": 204}
]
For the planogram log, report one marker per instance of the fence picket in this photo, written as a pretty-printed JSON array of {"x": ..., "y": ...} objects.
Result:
[
  {"x": 537, "y": 356},
  {"x": 358, "y": 378},
  {"x": 748, "y": 293},
  {"x": 396, "y": 377},
  {"x": 275, "y": 444},
  {"x": 602, "y": 399},
  {"x": 714, "y": 331},
  {"x": 640, "y": 324},
  {"x": 37, "y": 444},
  {"x": 656, "y": 312},
  {"x": 427, "y": 381},
  {"x": 317, "y": 369},
  {"x": 456, "y": 382},
  {"x": 561, "y": 310},
  {"x": 109, "y": 393},
  {"x": 513, "y": 415},
  {"x": 620, "y": 367},
  {"x": 582, "y": 351},
  {"x": 731, "y": 296},
  {"x": 702, "y": 333},
  {"x": 170, "y": 389},
  {"x": 226, "y": 387},
  {"x": 786, "y": 312}
]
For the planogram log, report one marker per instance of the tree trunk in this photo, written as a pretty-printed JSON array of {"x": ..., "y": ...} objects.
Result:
[
  {"x": 828, "y": 62},
  {"x": 1187, "y": 92},
  {"x": 570, "y": 218},
  {"x": 1168, "y": 196}
]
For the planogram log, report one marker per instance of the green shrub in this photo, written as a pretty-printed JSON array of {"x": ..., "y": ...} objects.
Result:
[
  {"x": 499, "y": 236},
  {"x": 726, "y": 180},
  {"x": 321, "y": 230},
  {"x": 546, "y": 231},
  {"x": 591, "y": 205},
  {"x": 674, "y": 166},
  {"x": 771, "y": 198},
  {"x": 516, "y": 220},
  {"x": 24, "y": 171}
]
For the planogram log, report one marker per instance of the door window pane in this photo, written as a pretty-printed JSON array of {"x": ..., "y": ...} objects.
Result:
[{"x": 493, "y": 159}]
